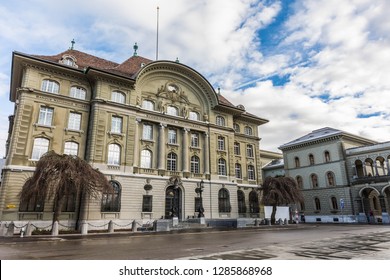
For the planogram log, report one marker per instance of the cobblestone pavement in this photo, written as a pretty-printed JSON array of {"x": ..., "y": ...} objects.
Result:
[{"x": 363, "y": 246}]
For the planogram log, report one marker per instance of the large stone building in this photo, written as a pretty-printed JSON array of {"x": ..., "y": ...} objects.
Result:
[
  {"x": 344, "y": 177},
  {"x": 157, "y": 129}
]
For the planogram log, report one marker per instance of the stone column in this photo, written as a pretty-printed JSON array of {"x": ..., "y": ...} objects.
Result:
[
  {"x": 376, "y": 168},
  {"x": 185, "y": 149},
  {"x": 136, "y": 143},
  {"x": 161, "y": 147},
  {"x": 387, "y": 167},
  {"x": 206, "y": 155}
]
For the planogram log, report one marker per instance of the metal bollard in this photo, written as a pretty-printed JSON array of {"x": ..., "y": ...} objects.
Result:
[
  {"x": 22, "y": 231},
  {"x": 111, "y": 226}
]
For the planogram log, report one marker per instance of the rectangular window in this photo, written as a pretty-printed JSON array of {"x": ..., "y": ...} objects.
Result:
[
  {"x": 249, "y": 151},
  {"x": 147, "y": 203},
  {"x": 172, "y": 138},
  {"x": 237, "y": 151},
  {"x": 251, "y": 172},
  {"x": 116, "y": 125},
  {"x": 221, "y": 143},
  {"x": 147, "y": 133},
  {"x": 194, "y": 140},
  {"x": 74, "y": 122},
  {"x": 45, "y": 116}
]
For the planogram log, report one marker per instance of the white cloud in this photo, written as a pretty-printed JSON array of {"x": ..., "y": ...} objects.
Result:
[{"x": 339, "y": 49}]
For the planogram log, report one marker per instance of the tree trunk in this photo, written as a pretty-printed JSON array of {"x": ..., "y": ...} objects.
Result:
[
  {"x": 273, "y": 214},
  {"x": 57, "y": 210}
]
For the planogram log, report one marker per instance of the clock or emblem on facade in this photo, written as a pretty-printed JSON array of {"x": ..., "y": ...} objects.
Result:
[{"x": 173, "y": 88}]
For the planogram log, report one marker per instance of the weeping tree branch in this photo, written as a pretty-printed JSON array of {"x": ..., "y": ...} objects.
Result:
[
  {"x": 280, "y": 191},
  {"x": 57, "y": 176}
]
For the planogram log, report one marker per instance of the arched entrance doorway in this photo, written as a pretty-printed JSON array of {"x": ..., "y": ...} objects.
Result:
[
  {"x": 370, "y": 203},
  {"x": 386, "y": 199},
  {"x": 173, "y": 199}
]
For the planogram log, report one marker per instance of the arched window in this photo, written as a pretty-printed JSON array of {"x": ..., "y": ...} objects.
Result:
[
  {"x": 146, "y": 159},
  {"x": 172, "y": 162},
  {"x": 317, "y": 204},
  {"x": 330, "y": 179},
  {"x": 34, "y": 204},
  {"x": 71, "y": 148},
  {"x": 222, "y": 167},
  {"x": 241, "y": 202},
  {"x": 50, "y": 86},
  {"x": 236, "y": 127},
  {"x": 172, "y": 111},
  {"x": 238, "y": 172},
  {"x": 369, "y": 167},
  {"x": 359, "y": 168},
  {"x": 380, "y": 166},
  {"x": 237, "y": 150},
  {"x": 68, "y": 61},
  {"x": 334, "y": 203},
  {"x": 221, "y": 143},
  {"x": 248, "y": 130},
  {"x": 254, "y": 207},
  {"x": 311, "y": 159},
  {"x": 118, "y": 96},
  {"x": 299, "y": 182},
  {"x": 194, "y": 116},
  {"x": 111, "y": 202},
  {"x": 148, "y": 105},
  {"x": 78, "y": 92},
  {"x": 224, "y": 201},
  {"x": 297, "y": 163},
  {"x": 40, "y": 147},
  {"x": 314, "y": 180},
  {"x": 327, "y": 156},
  {"x": 114, "y": 154},
  {"x": 249, "y": 151},
  {"x": 195, "y": 165},
  {"x": 251, "y": 172},
  {"x": 220, "y": 121}
]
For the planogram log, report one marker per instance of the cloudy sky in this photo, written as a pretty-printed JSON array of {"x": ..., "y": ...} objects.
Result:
[{"x": 301, "y": 64}]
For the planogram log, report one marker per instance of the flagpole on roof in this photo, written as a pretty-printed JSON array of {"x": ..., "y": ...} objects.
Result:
[{"x": 158, "y": 12}]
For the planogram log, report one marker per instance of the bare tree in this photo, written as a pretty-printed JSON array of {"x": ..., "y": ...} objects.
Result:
[
  {"x": 58, "y": 176},
  {"x": 280, "y": 191}
]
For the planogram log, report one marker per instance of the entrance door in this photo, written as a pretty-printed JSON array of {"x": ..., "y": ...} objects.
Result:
[{"x": 173, "y": 203}]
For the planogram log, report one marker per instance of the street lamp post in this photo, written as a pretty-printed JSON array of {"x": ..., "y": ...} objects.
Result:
[{"x": 199, "y": 190}]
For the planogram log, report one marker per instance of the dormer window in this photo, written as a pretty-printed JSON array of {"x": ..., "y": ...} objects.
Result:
[{"x": 68, "y": 60}]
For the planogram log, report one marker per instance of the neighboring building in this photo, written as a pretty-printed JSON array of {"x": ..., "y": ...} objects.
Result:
[
  {"x": 328, "y": 166},
  {"x": 369, "y": 169},
  {"x": 156, "y": 129},
  {"x": 272, "y": 164},
  {"x": 274, "y": 169}
]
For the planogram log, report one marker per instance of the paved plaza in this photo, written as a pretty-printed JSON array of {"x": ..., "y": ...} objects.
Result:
[{"x": 292, "y": 242}]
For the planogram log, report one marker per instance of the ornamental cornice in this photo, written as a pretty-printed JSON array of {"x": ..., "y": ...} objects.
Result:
[{"x": 55, "y": 71}]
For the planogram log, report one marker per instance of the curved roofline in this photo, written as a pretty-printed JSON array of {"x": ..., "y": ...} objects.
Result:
[{"x": 179, "y": 65}]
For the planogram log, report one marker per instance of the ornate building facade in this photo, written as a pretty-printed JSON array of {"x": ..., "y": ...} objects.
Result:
[
  {"x": 157, "y": 129},
  {"x": 344, "y": 177}
]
